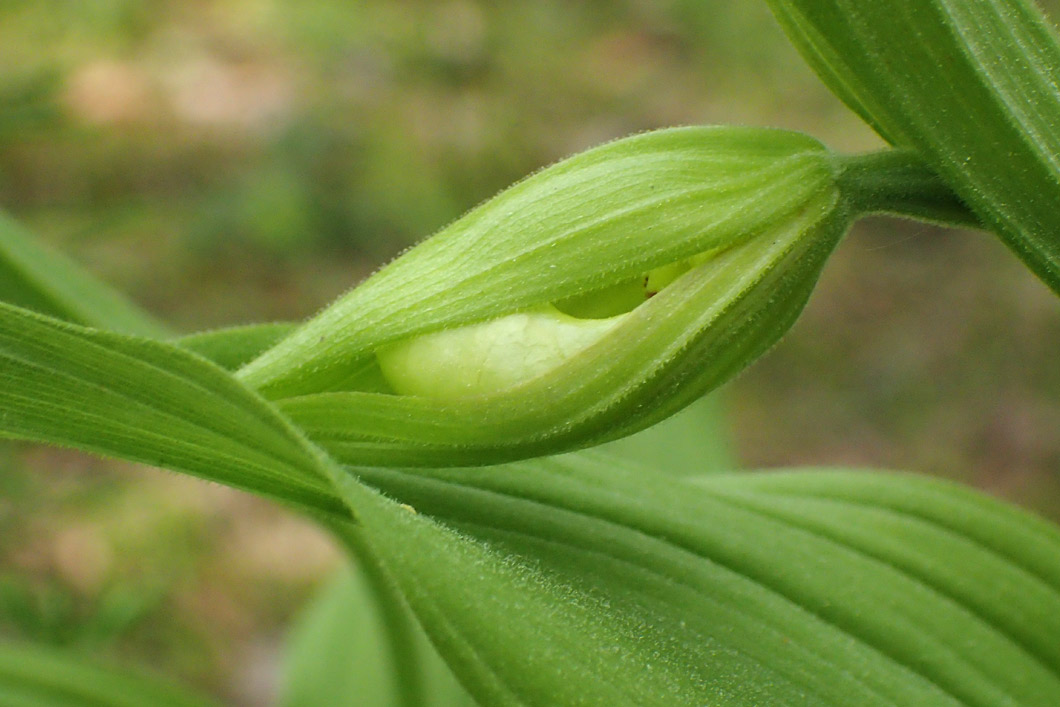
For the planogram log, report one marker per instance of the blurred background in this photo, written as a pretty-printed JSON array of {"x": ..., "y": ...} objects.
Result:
[{"x": 232, "y": 161}]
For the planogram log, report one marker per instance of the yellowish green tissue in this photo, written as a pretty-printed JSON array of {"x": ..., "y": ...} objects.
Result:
[{"x": 488, "y": 357}]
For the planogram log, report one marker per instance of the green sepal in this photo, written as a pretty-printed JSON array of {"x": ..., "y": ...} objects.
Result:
[
  {"x": 691, "y": 337},
  {"x": 735, "y": 222},
  {"x": 590, "y": 222}
]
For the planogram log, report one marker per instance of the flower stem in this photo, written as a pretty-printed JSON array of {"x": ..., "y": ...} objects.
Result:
[{"x": 897, "y": 182}]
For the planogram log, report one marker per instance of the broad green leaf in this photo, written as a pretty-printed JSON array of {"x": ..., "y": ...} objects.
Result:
[
  {"x": 691, "y": 442},
  {"x": 232, "y": 347},
  {"x": 579, "y": 581},
  {"x": 38, "y": 278},
  {"x": 150, "y": 402},
  {"x": 33, "y": 676},
  {"x": 359, "y": 646},
  {"x": 973, "y": 86},
  {"x": 865, "y": 511},
  {"x": 569, "y": 583}
]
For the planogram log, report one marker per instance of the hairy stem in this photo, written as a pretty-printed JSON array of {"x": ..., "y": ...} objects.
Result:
[{"x": 897, "y": 182}]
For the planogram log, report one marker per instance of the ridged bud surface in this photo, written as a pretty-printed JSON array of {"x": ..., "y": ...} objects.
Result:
[{"x": 584, "y": 303}]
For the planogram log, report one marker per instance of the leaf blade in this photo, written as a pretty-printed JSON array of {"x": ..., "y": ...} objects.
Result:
[
  {"x": 972, "y": 86},
  {"x": 357, "y": 645},
  {"x": 150, "y": 402},
  {"x": 231, "y": 347},
  {"x": 37, "y": 278},
  {"x": 997, "y": 590},
  {"x": 738, "y": 609},
  {"x": 34, "y": 676}
]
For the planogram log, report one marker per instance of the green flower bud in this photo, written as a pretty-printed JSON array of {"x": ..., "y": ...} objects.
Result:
[{"x": 584, "y": 303}]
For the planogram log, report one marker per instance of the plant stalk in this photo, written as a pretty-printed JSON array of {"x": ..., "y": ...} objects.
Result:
[{"x": 897, "y": 182}]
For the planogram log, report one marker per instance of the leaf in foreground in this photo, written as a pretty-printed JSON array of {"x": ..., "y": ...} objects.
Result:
[
  {"x": 359, "y": 646},
  {"x": 565, "y": 582},
  {"x": 231, "y": 347},
  {"x": 148, "y": 402},
  {"x": 577, "y": 582}
]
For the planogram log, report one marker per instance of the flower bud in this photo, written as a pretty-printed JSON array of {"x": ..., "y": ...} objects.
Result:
[{"x": 584, "y": 303}]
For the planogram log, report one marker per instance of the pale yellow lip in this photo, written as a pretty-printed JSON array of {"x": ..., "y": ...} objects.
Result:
[
  {"x": 489, "y": 356},
  {"x": 497, "y": 354}
]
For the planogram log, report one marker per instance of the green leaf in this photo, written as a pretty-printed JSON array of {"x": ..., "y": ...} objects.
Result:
[
  {"x": 150, "y": 402},
  {"x": 691, "y": 442},
  {"x": 974, "y": 87},
  {"x": 232, "y": 347},
  {"x": 564, "y": 582},
  {"x": 37, "y": 278},
  {"x": 580, "y": 581},
  {"x": 359, "y": 646},
  {"x": 32, "y": 676}
]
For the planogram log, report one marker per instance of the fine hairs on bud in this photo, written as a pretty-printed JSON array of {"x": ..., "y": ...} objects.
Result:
[{"x": 586, "y": 302}]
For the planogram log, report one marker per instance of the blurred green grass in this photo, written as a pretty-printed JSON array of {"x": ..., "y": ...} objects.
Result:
[{"x": 232, "y": 161}]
